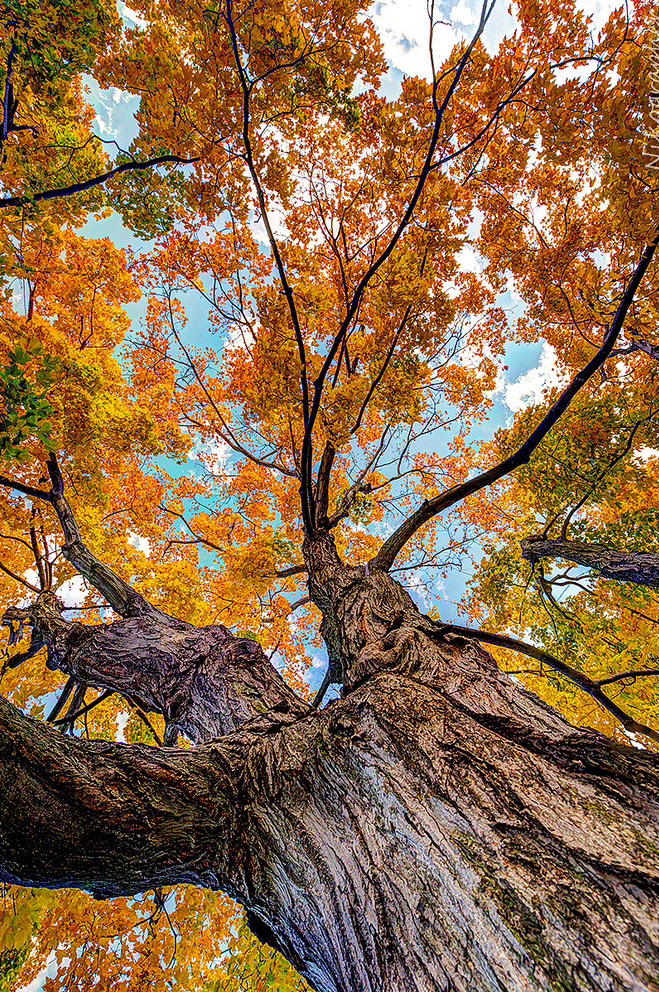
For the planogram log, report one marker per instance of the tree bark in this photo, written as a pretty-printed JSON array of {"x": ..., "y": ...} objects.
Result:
[
  {"x": 204, "y": 681},
  {"x": 623, "y": 566},
  {"x": 436, "y": 828}
]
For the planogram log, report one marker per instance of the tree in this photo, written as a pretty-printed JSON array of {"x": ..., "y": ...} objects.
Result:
[{"x": 436, "y": 826}]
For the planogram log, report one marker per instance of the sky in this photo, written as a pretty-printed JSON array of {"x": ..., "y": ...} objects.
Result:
[{"x": 403, "y": 28}]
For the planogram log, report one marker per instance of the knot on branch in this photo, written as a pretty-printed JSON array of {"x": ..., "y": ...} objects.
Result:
[
  {"x": 45, "y": 619},
  {"x": 527, "y": 547}
]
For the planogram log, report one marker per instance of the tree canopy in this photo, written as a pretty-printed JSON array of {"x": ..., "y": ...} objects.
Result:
[{"x": 330, "y": 282}]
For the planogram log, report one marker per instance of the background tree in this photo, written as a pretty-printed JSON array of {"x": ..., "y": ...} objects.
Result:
[{"x": 436, "y": 826}]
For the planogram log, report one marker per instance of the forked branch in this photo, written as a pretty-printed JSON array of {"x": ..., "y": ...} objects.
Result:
[
  {"x": 119, "y": 594},
  {"x": 432, "y": 507}
]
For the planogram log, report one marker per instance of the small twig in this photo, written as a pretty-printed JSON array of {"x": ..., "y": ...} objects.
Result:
[{"x": 628, "y": 675}]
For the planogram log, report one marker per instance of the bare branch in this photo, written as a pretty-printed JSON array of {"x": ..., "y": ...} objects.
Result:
[
  {"x": 64, "y": 695},
  {"x": 318, "y": 698},
  {"x": 322, "y": 486},
  {"x": 20, "y": 487},
  {"x": 85, "y": 709},
  {"x": 593, "y": 688},
  {"x": 378, "y": 262},
  {"x": 430, "y": 508},
  {"x": 17, "y": 578},
  {"x": 120, "y": 595},
  {"x": 51, "y": 194},
  {"x": 306, "y": 493},
  {"x": 637, "y": 674},
  {"x": 284, "y": 573},
  {"x": 641, "y": 567}
]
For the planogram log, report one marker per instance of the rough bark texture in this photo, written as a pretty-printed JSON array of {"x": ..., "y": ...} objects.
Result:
[
  {"x": 203, "y": 680},
  {"x": 623, "y": 566},
  {"x": 435, "y": 828}
]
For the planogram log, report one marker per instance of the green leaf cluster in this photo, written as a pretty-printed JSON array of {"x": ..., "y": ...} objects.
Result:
[
  {"x": 56, "y": 40},
  {"x": 26, "y": 410}
]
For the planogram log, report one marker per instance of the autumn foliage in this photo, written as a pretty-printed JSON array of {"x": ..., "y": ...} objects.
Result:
[{"x": 324, "y": 273}]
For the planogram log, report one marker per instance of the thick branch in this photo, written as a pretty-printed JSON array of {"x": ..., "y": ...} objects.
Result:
[
  {"x": 5, "y": 127},
  {"x": 110, "y": 817},
  {"x": 322, "y": 486},
  {"x": 203, "y": 680},
  {"x": 119, "y": 594},
  {"x": 51, "y": 194},
  {"x": 431, "y": 508},
  {"x": 623, "y": 566}
]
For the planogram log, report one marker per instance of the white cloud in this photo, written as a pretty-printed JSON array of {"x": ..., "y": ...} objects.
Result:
[
  {"x": 50, "y": 970},
  {"x": 277, "y": 218},
  {"x": 122, "y": 719},
  {"x": 141, "y": 543},
  {"x": 463, "y": 15},
  {"x": 129, "y": 15},
  {"x": 404, "y": 29},
  {"x": 645, "y": 453},
  {"x": 420, "y": 588},
  {"x": 469, "y": 260},
  {"x": 529, "y": 388},
  {"x": 213, "y": 455},
  {"x": 33, "y": 578},
  {"x": 115, "y": 112},
  {"x": 73, "y": 592}
]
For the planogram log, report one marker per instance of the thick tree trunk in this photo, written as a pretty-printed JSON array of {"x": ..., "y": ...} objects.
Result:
[
  {"x": 434, "y": 828},
  {"x": 623, "y": 566}
]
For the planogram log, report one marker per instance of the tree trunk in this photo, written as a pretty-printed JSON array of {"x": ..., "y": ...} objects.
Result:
[
  {"x": 435, "y": 828},
  {"x": 623, "y": 566}
]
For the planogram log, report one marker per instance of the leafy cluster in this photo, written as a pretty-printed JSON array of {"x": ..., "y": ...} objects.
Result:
[{"x": 26, "y": 410}]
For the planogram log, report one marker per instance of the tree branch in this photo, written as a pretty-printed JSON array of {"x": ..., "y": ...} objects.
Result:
[
  {"x": 64, "y": 695},
  {"x": 637, "y": 674},
  {"x": 120, "y": 595},
  {"x": 593, "y": 688},
  {"x": 306, "y": 490},
  {"x": 603, "y": 474},
  {"x": 85, "y": 709},
  {"x": 430, "y": 508},
  {"x": 20, "y": 487},
  {"x": 622, "y": 566},
  {"x": 17, "y": 578},
  {"x": 378, "y": 262},
  {"x": 51, "y": 194},
  {"x": 322, "y": 486},
  {"x": 145, "y": 813}
]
